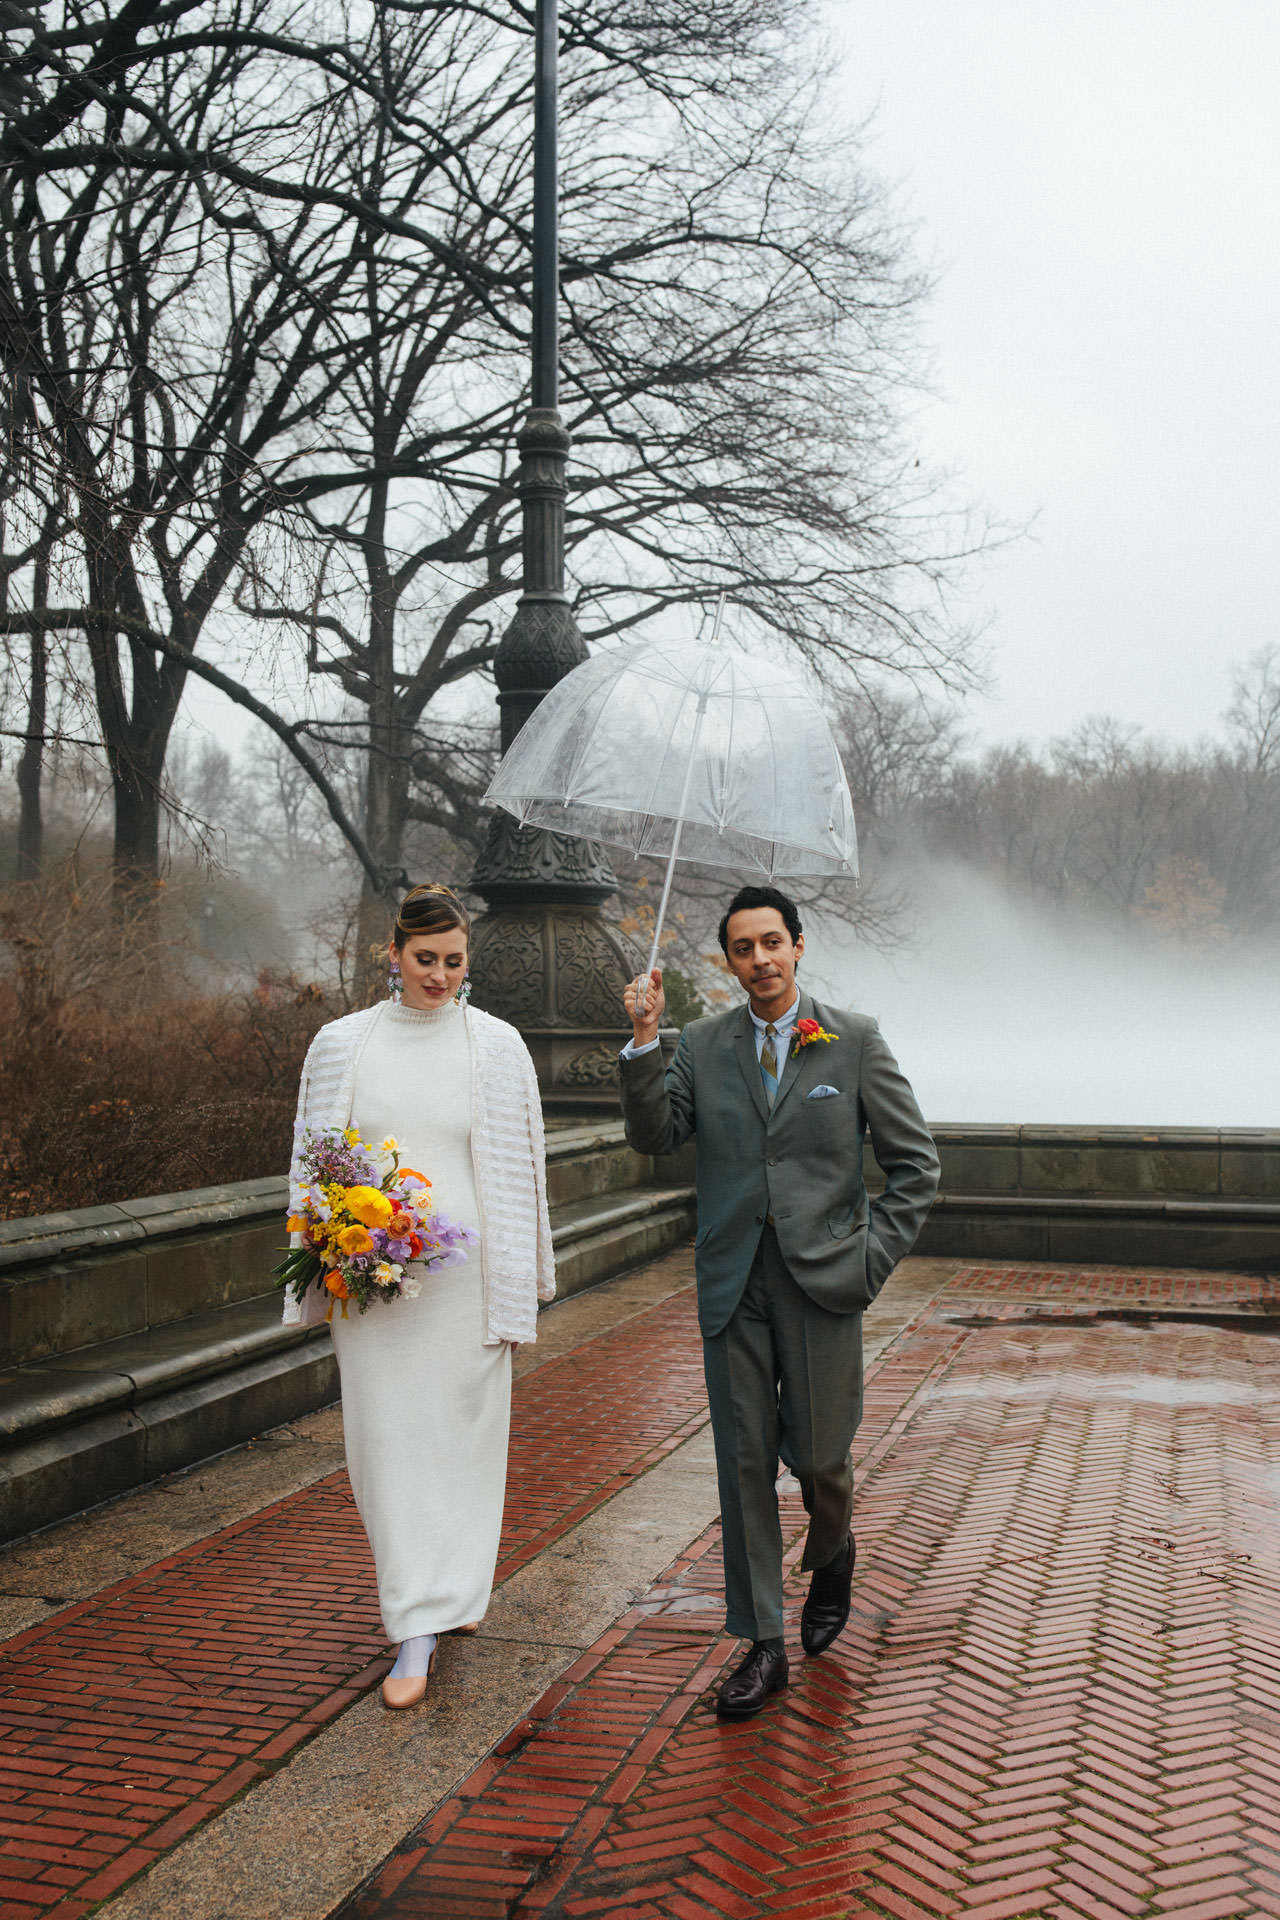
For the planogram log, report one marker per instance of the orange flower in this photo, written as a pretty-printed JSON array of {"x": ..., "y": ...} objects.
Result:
[
  {"x": 355, "y": 1240},
  {"x": 415, "y": 1245},
  {"x": 337, "y": 1286},
  {"x": 399, "y": 1223},
  {"x": 411, "y": 1173}
]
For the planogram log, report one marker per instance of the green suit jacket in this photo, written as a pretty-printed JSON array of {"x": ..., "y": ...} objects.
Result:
[{"x": 800, "y": 1162}]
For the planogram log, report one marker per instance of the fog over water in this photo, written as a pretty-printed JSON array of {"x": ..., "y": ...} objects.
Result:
[{"x": 1001, "y": 1013}]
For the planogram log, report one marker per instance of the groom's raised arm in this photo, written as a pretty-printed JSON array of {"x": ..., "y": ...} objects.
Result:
[{"x": 657, "y": 1107}]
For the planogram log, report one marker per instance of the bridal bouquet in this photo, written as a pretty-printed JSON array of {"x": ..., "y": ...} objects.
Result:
[{"x": 365, "y": 1221}]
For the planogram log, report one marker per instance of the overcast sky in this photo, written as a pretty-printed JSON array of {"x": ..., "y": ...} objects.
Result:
[{"x": 1096, "y": 185}]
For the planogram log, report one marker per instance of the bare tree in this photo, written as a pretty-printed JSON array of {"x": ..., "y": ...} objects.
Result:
[
  {"x": 737, "y": 313},
  {"x": 165, "y": 314},
  {"x": 1246, "y": 787},
  {"x": 266, "y": 278},
  {"x": 1184, "y": 842}
]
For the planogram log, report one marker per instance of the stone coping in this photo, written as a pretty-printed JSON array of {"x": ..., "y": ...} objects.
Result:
[
  {"x": 52, "y": 1236},
  {"x": 1120, "y": 1206},
  {"x": 1013, "y": 1132}
]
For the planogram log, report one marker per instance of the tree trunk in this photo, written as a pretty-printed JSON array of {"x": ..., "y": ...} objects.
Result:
[
  {"x": 137, "y": 715},
  {"x": 31, "y": 763},
  {"x": 31, "y": 760},
  {"x": 386, "y": 808},
  {"x": 135, "y": 854},
  {"x": 386, "y": 815}
]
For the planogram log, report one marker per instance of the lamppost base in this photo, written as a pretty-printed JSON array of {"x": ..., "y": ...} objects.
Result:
[{"x": 556, "y": 971}]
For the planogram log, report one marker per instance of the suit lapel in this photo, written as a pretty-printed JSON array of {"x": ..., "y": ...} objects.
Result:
[
  {"x": 794, "y": 1064},
  {"x": 745, "y": 1048}
]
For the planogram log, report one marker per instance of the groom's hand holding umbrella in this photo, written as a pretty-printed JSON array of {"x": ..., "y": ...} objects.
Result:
[{"x": 646, "y": 1019}]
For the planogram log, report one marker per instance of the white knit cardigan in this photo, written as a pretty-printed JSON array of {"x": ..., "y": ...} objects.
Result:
[{"x": 507, "y": 1153}]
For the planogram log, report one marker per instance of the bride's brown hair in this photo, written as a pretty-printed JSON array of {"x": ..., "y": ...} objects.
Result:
[{"x": 429, "y": 909}]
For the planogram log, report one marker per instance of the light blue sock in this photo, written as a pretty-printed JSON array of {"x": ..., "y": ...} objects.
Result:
[{"x": 414, "y": 1657}]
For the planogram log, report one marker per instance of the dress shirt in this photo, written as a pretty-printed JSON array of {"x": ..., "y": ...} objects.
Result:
[{"x": 782, "y": 1028}]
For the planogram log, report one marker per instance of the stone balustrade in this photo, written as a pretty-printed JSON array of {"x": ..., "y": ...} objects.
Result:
[{"x": 141, "y": 1337}]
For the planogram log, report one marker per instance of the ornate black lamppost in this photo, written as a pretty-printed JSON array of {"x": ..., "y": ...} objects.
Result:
[{"x": 543, "y": 956}]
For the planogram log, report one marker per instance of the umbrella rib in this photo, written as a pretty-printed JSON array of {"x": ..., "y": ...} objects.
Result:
[
  {"x": 642, "y": 991},
  {"x": 771, "y": 762}
]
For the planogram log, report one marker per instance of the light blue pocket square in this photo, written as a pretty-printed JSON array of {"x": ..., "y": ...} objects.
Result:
[{"x": 822, "y": 1093}]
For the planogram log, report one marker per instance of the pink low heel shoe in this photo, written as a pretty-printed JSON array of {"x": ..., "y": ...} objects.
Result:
[{"x": 399, "y": 1695}]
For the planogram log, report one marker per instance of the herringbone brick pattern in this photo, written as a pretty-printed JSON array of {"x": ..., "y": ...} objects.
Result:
[
  {"x": 128, "y": 1720},
  {"x": 1118, "y": 1287},
  {"x": 1059, "y": 1693}
]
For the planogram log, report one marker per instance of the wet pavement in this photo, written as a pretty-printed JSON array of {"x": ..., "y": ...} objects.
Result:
[{"x": 1058, "y": 1693}]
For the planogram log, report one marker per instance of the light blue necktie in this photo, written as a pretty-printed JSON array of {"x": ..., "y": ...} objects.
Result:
[{"x": 769, "y": 1065}]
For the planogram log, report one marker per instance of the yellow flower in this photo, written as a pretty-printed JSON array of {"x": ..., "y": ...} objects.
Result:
[
  {"x": 391, "y": 1144},
  {"x": 352, "y": 1136},
  {"x": 370, "y": 1207},
  {"x": 295, "y": 1224},
  {"x": 355, "y": 1240}
]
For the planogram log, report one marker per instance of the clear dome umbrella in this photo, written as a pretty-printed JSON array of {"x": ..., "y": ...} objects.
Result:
[{"x": 686, "y": 750}]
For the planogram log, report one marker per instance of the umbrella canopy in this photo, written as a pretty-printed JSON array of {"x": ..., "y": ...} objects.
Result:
[{"x": 673, "y": 747}]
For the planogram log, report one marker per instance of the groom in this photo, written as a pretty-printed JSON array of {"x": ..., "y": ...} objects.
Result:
[{"x": 788, "y": 1253}]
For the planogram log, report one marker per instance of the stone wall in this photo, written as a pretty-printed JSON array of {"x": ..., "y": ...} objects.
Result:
[
  {"x": 1119, "y": 1196},
  {"x": 1177, "y": 1196}
]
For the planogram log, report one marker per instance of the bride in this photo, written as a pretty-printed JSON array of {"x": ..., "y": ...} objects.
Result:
[{"x": 426, "y": 1381}]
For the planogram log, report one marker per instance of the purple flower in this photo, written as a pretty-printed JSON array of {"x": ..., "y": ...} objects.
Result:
[{"x": 329, "y": 1156}]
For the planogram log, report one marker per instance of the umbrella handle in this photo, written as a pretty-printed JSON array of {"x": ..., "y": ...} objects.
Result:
[{"x": 642, "y": 985}]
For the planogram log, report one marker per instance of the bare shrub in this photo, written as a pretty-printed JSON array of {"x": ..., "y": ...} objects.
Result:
[{"x": 118, "y": 1077}]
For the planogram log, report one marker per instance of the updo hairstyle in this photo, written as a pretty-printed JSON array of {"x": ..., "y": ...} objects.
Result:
[{"x": 429, "y": 909}]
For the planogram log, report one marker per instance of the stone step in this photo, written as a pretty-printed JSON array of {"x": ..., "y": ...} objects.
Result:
[
  {"x": 597, "y": 1238},
  {"x": 81, "y": 1426}
]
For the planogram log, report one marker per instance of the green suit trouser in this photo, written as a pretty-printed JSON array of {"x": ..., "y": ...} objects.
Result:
[{"x": 784, "y": 1380}]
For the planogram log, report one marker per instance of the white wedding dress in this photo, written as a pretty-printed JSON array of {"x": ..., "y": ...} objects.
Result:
[{"x": 425, "y": 1404}]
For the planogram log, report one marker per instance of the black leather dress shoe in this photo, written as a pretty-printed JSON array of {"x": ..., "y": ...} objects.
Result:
[
  {"x": 752, "y": 1681},
  {"x": 827, "y": 1606}
]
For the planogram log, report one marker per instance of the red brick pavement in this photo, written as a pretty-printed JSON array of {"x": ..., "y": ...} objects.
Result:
[
  {"x": 129, "y": 1719},
  {"x": 1059, "y": 1693}
]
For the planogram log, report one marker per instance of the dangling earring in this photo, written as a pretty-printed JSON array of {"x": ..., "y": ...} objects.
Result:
[
  {"x": 395, "y": 985},
  {"x": 463, "y": 994}
]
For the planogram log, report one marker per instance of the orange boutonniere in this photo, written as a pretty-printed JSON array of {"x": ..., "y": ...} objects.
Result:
[{"x": 807, "y": 1031}]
